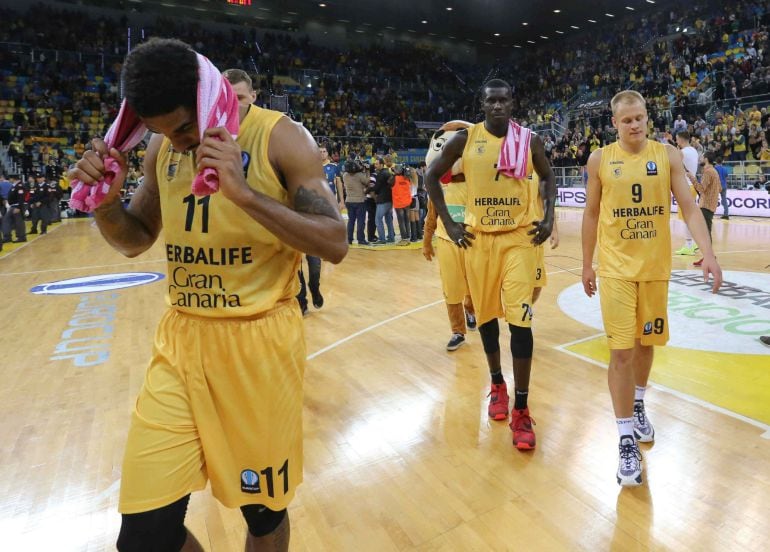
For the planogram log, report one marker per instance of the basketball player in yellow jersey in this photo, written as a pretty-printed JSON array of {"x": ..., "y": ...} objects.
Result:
[
  {"x": 541, "y": 278},
  {"x": 628, "y": 198},
  {"x": 503, "y": 233},
  {"x": 451, "y": 262},
  {"x": 222, "y": 398}
]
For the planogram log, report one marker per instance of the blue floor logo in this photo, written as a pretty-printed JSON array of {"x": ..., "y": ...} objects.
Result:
[{"x": 93, "y": 284}]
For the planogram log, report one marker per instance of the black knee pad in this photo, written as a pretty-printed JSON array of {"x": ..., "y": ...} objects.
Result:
[
  {"x": 490, "y": 336},
  {"x": 261, "y": 520},
  {"x": 160, "y": 530},
  {"x": 521, "y": 341}
]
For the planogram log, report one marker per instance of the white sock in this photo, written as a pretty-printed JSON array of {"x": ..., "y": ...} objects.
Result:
[
  {"x": 639, "y": 393},
  {"x": 625, "y": 426}
]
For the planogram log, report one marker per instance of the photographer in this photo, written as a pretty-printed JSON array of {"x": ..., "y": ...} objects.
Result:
[{"x": 356, "y": 181}]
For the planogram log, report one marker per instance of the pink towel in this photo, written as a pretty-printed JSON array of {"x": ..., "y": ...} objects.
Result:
[
  {"x": 514, "y": 153},
  {"x": 217, "y": 106}
]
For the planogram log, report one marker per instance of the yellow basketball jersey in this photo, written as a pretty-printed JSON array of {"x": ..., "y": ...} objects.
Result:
[
  {"x": 455, "y": 196},
  {"x": 221, "y": 262},
  {"x": 496, "y": 203},
  {"x": 634, "y": 232}
]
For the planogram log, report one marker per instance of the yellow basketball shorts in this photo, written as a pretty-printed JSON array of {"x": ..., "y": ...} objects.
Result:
[
  {"x": 634, "y": 310},
  {"x": 501, "y": 277},
  {"x": 451, "y": 265},
  {"x": 541, "y": 278},
  {"x": 221, "y": 401}
]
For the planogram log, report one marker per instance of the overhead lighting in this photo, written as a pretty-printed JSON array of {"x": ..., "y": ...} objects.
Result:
[
  {"x": 556, "y": 11},
  {"x": 544, "y": 37},
  {"x": 424, "y": 22},
  {"x": 431, "y": 34},
  {"x": 525, "y": 23},
  {"x": 497, "y": 34},
  {"x": 452, "y": 37},
  {"x": 629, "y": 8},
  {"x": 591, "y": 21},
  {"x": 531, "y": 41},
  {"x": 485, "y": 42},
  {"x": 685, "y": 30},
  {"x": 391, "y": 28},
  {"x": 411, "y": 30},
  {"x": 449, "y": 8},
  {"x": 344, "y": 20},
  {"x": 321, "y": 5},
  {"x": 292, "y": 13},
  {"x": 677, "y": 29},
  {"x": 559, "y": 32},
  {"x": 574, "y": 26},
  {"x": 650, "y": 1},
  {"x": 609, "y": 15},
  {"x": 360, "y": 31},
  {"x": 516, "y": 46}
]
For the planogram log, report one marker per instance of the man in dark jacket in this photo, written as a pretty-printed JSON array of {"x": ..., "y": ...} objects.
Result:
[
  {"x": 384, "y": 200},
  {"x": 14, "y": 218}
]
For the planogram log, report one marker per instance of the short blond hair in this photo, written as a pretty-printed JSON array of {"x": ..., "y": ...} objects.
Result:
[{"x": 627, "y": 97}]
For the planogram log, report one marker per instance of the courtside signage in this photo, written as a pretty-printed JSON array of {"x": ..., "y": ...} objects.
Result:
[{"x": 95, "y": 284}]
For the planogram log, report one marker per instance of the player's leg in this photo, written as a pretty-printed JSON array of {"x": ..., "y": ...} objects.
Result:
[
  {"x": 452, "y": 271},
  {"x": 302, "y": 294},
  {"x": 268, "y": 530},
  {"x": 314, "y": 280},
  {"x": 470, "y": 312},
  {"x": 619, "y": 301},
  {"x": 498, "y": 393},
  {"x": 163, "y": 461},
  {"x": 484, "y": 273},
  {"x": 652, "y": 330},
  {"x": 161, "y": 529},
  {"x": 250, "y": 418},
  {"x": 518, "y": 289}
]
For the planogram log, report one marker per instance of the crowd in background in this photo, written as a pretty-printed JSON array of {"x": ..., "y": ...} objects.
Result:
[{"x": 52, "y": 100}]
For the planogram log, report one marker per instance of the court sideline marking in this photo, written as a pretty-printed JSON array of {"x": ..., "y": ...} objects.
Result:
[{"x": 689, "y": 398}]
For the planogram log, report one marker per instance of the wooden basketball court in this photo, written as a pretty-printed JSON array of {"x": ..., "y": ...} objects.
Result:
[{"x": 399, "y": 452}]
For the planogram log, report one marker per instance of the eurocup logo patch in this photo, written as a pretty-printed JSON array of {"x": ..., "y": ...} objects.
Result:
[
  {"x": 647, "y": 328},
  {"x": 652, "y": 168},
  {"x": 250, "y": 482},
  {"x": 617, "y": 172}
]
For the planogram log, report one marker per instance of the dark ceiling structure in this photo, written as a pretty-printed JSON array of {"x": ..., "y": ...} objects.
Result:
[{"x": 484, "y": 23}]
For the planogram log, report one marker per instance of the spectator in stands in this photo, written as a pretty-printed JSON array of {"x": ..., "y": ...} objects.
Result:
[{"x": 680, "y": 124}]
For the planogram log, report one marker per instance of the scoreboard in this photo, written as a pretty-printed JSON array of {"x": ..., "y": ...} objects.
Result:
[{"x": 240, "y": 2}]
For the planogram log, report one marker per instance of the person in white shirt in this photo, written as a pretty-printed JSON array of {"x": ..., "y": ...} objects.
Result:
[{"x": 690, "y": 158}]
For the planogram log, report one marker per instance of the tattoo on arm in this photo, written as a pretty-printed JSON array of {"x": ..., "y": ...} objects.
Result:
[{"x": 312, "y": 202}]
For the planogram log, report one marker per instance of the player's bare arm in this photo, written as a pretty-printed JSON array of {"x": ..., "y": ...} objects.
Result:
[
  {"x": 131, "y": 230},
  {"x": 543, "y": 228},
  {"x": 314, "y": 224},
  {"x": 591, "y": 222},
  {"x": 693, "y": 217},
  {"x": 452, "y": 151}
]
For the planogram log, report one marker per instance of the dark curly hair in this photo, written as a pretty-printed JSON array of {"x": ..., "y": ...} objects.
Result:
[{"x": 159, "y": 76}]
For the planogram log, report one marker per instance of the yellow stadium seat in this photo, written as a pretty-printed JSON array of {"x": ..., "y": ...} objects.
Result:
[
  {"x": 753, "y": 169},
  {"x": 738, "y": 170}
]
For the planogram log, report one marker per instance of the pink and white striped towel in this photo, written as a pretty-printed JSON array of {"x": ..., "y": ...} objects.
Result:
[
  {"x": 217, "y": 106},
  {"x": 514, "y": 152}
]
